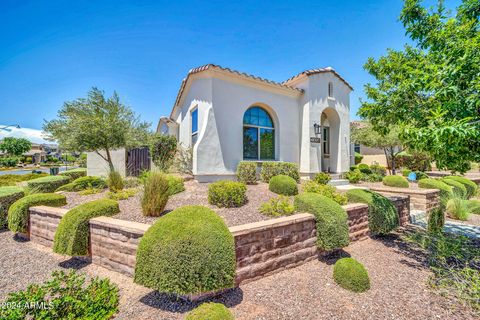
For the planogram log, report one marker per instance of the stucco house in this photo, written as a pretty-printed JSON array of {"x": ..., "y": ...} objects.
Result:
[{"x": 228, "y": 116}]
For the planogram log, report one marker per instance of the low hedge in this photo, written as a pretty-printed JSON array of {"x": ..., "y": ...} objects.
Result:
[
  {"x": 273, "y": 168},
  {"x": 210, "y": 311},
  {"x": 382, "y": 214},
  {"x": 71, "y": 237},
  {"x": 8, "y": 195},
  {"x": 247, "y": 172},
  {"x": 350, "y": 274},
  {"x": 446, "y": 191},
  {"x": 74, "y": 173},
  {"x": 47, "y": 184},
  {"x": 395, "y": 181},
  {"x": 458, "y": 188},
  {"x": 83, "y": 183},
  {"x": 227, "y": 194},
  {"x": 331, "y": 220},
  {"x": 175, "y": 184},
  {"x": 469, "y": 184},
  {"x": 18, "y": 212},
  {"x": 283, "y": 185},
  {"x": 188, "y": 251}
]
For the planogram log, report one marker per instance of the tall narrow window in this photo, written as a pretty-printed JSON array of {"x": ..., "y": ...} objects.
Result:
[
  {"x": 330, "y": 90},
  {"x": 194, "y": 126},
  {"x": 326, "y": 140},
  {"x": 258, "y": 135}
]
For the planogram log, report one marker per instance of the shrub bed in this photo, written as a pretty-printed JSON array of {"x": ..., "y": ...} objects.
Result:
[
  {"x": 155, "y": 194},
  {"x": 47, "y": 184},
  {"x": 83, "y": 183},
  {"x": 446, "y": 191},
  {"x": 350, "y": 274},
  {"x": 395, "y": 181},
  {"x": 18, "y": 212},
  {"x": 227, "y": 193},
  {"x": 325, "y": 190},
  {"x": 210, "y": 311},
  {"x": 382, "y": 214},
  {"x": 272, "y": 168},
  {"x": 353, "y": 176},
  {"x": 8, "y": 195},
  {"x": 322, "y": 178},
  {"x": 74, "y": 173},
  {"x": 364, "y": 168},
  {"x": 175, "y": 184},
  {"x": 64, "y": 296},
  {"x": 283, "y": 185},
  {"x": 71, "y": 237},
  {"x": 469, "y": 184},
  {"x": 330, "y": 218},
  {"x": 458, "y": 188},
  {"x": 247, "y": 172},
  {"x": 188, "y": 251}
]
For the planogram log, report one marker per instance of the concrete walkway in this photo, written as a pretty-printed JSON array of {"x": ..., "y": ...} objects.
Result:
[{"x": 418, "y": 218}]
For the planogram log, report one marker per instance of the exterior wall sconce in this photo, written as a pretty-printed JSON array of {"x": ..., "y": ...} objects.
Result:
[{"x": 317, "y": 129}]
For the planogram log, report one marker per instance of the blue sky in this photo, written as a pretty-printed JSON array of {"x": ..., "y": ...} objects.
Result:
[{"x": 53, "y": 51}]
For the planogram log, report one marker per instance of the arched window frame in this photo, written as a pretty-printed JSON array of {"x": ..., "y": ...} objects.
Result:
[{"x": 258, "y": 129}]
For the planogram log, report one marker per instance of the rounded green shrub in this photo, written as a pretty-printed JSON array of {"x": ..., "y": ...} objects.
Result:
[
  {"x": 276, "y": 168},
  {"x": 469, "y": 184},
  {"x": 436, "y": 221},
  {"x": 18, "y": 212},
  {"x": 8, "y": 195},
  {"x": 283, "y": 185},
  {"x": 83, "y": 183},
  {"x": 364, "y": 168},
  {"x": 210, "y": 311},
  {"x": 71, "y": 237},
  {"x": 330, "y": 218},
  {"x": 378, "y": 170},
  {"x": 406, "y": 172},
  {"x": 395, "y": 181},
  {"x": 382, "y": 214},
  {"x": 227, "y": 194},
  {"x": 459, "y": 189},
  {"x": 247, "y": 172},
  {"x": 353, "y": 176},
  {"x": 74, "y": 173},
  {"x": 188, "y": 251},
  {"x": 350, "y": 274},
  {"x": 155, "y": 194},
  {"x": 358, "y": 158},
  {"x": 354, "y": 167},
  {"x": 322, "y": 178},
  {"x": 47, "y": 184},
  {"x": 325, "y": 190},
  {"x": 175, "y": 184},
  {"x": 446, "y": 191}
]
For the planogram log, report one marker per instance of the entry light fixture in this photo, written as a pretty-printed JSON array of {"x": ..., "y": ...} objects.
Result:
[{"x": 317, "y": 128}]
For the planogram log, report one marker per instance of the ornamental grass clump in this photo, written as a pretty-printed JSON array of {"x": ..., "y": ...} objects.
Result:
[
  {"x": 382, "y": 214},
  {"x": 283, "y": 185},
  {"x": 8, "y": 195},
  {"x": 47, "y": 184},
  {"x": 473, "y": 206},
  {"x": 155, "y": 194},
  {"x": 247, "y": 172},
  {"x": 350, "y": 274},
  {"x": 71, "y": 237},
  {"x": 456, "y": 208},
  {"x": 114, "y": 181},
  {"x": 436, "y": 220},
  {"x": 395, "y": 181},
  {"x": 188, "y": 251},
  {"x": 469, "y": 184},
  {"x": 210, "y": 311},
  {"x": 18, "y": 212},
  {"x": 227, "y": 194},
  {"x": 330, "y": 218}
]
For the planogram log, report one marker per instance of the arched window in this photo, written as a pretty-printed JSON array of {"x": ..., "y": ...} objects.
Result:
[
  {"x": 258, "y": 135},
  {"x": 330, "y": 90}
]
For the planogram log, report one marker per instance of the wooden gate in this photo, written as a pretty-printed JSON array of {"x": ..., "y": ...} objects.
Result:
[{"x": 138, "y": 160}]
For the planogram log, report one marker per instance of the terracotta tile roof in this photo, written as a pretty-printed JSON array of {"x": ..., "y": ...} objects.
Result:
[{"x": 317, "y": 71}]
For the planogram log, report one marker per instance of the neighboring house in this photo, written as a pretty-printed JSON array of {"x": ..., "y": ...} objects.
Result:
[
  {"x": 228, "y": 116},
  {"x": 39, "y": 152},
  {"x": 370, "y": 155}
]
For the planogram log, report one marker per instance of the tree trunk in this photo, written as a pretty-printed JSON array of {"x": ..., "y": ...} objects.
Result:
[
  {"x": 109, "y": 160},
  {"x": 394, "y": 172},
  {"x": 385, "y": 150}
]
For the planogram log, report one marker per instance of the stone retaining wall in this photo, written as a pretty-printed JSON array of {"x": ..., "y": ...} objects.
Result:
[
  {"x": 357, "y": 221},
  {"x": 420, "y": 199},
  {"x": 402, "y": 203},
  {"x": 43, "y": 223}
]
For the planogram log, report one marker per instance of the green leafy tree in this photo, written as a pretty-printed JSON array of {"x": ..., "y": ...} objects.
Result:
[
  {"x": 15, "y": 146},
  {"x": 431, "y": 87},
  {"x": 162, "y": 150},
  {"x": 97, "y": 124},
  {"x": 365, "y": 134}
]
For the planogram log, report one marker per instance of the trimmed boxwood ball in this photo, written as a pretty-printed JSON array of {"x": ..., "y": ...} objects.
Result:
[
  {"x": 18, "y": 212},
  {"x": 458, "y": 188},
  {"x": 395, "y": 181},
  {"x": 469, "y": 184},
  {"x": 8, "y": 195},
  {"x": 350, "y": 274},
  {"x": 382, "y": 214},
  {"x": 47, "y": 184},
  {"x": 188, "y": 251},
  {"x": 71, "y": 237},
  {"x": 83, "y": 183},
  {"x": 210, "y": 311},
  {"x": 227, "y": 194},
  {"x": 330, "y": 217},
  {"x": 74, "y": 173},
  {"x": 283, "y": 185},
  {"x": 446, "y": 191}
]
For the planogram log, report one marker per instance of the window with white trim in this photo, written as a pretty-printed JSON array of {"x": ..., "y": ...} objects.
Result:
[
  {"x": 330, "y": 90},
  {"x": 194, "y": 115}
]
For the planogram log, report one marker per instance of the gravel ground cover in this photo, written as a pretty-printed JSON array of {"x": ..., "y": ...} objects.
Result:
[
  {"x": 195, "y": 194},
  {"x": 397, "y": 272}
]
